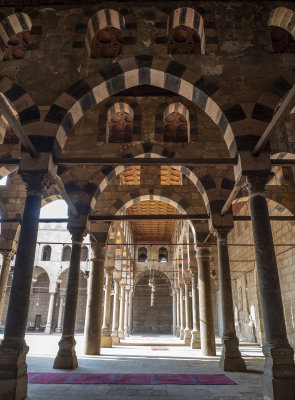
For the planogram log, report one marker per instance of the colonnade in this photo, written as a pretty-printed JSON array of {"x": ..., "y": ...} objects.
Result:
[{"x": 279, "y": 372}]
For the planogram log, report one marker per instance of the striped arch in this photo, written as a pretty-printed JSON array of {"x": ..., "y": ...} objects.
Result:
[
  {"x": 283, "y": 18},
  {"x": 103, "y": 19},
  {"x": 186, "y": 171},
  {"x": 190, "y": 18},
  {"x": 12, "y": 25},
  {"x": 272, "y": 205},
  {"x": 141, "y": 70}
]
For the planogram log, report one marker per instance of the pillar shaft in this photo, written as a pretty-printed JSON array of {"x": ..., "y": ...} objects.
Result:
[
  {"x": 182, "y": 313},
  {"x": 50, "y": 313},
  {"x": 106, "y": 340},
  {"x": 130, "y": 312},
  {"x": 122, "y": 311},
  {"x": 195, "y": 342},
  {"x": 4, "y": 278},
  {"x": 13, "y": 349},
  {"x": 187, "y": 331},
  {"x": 174, "y": 318},
  {"x": 279, "y": 369},
  {"x": 126, "y": 331},
  {"x": 177, "y": 313},
  {"x": 60, "y": 313},
  {"x": 205, "y": 302},
  {"x": 115, "y": 323},
  {"x": 94, "y": 304},
  {"x": 66, "y": 357},
  {"x": 231, "y": 359}
]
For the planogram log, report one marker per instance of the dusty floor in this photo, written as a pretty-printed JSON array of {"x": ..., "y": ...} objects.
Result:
[{"x": 141, "y": 354}]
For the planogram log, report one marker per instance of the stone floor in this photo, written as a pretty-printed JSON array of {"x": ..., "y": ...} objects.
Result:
[{"x": 142, "y": 354}]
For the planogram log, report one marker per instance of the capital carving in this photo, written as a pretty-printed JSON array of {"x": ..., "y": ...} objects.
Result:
[
  {"x": 255, "y": 184},
  {"x": 221, "y": 234},
  {"x": 203, "y": 252},
  {"x": 35, "y": 182}
]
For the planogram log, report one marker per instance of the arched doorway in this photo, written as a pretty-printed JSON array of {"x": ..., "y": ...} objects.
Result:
[{"x": 152, "y": 316}]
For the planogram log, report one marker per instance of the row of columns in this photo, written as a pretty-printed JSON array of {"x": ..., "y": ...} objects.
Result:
[{"x": 279, "y": 373}]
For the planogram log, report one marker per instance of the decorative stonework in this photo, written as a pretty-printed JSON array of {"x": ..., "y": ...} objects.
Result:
[
  {"x": 119, "y": 123},
  {"x": 17, "y": 46},
  {"x": 107, "y": 43},
  {"x": 175, "y": 121}
]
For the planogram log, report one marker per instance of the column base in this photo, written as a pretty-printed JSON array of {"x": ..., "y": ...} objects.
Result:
[
  {"x": 177, "y": 332},
  {"x": 231, "y": 359},
  {"x": 187, "y": 337},
  {"x": 121, "y": 334},
  {"x": 47, "y": 330},
  {"x": 66, "y": 357},
  {"x": 58, "y": 330},
  {"x": 115, "y": 340},
  {"x": 279, "y": 373},
  {"x": 13, "y": 369},
  {"x": 126, "y": 333},
  {"x": 105, "y": 341},
  {"x": 181, "y": 334},
  {"x": 196, "y": 341}
]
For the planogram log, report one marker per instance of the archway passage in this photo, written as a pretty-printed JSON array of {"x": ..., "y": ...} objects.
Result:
[{"x": 152, "y": 316}]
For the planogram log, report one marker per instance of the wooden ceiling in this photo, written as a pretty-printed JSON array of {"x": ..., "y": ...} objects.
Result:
[
  {"x": 170, "y": 176},
  {"x": 157, "y": 231},
  {"x": 131, "y": 176}
]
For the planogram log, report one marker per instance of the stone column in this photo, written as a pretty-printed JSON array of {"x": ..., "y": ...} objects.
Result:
[
  {"x": 60, "y": 312},
  {"x": 279, "y": 369},
  {"x": 195, "y": 342},
  {"x": 174, "y": 318},
  {"x": 181, "y": 311},
  {"x": 106, "y": 339},
  {"x": 66, "y": 357},
  {"x": 50, "y": 313},
  {"x": 94, "y": 305},
  {"x": 126, "y": 325},
  {"x": 231, "y": 359},
  {"x": 130, "y": 312},
  {"x": 177, "y": 313},
  {"x": 115, "y": 324},
  {"x": 205, "y": 302},
  {"x": 122, "y": 311},
  {"x": 187, "y": 330},
  {"x": 13, "y": 349},
  {"x": 4, "y": 277}
]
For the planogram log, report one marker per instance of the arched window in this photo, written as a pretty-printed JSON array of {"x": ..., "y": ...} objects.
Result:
[
  {"x": 186, "y": 32},
  {"x": 119, "y": 123},
  {"x": 66, "y": 253},
  {"x": 14, "y": 36},
  {"x": 142, "y": 254},
  {"x": 84, "y": 253},
  {"x": 282, "y": 30},
  {"x": 176, "y": 123},
  {"x": 46, "y": 253},
  {"x": 105, "y": 34},
  {"x": 163, "y": 254}
]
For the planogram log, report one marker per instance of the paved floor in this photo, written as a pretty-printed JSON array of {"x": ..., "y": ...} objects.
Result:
[{"x": 141, "y": 354}]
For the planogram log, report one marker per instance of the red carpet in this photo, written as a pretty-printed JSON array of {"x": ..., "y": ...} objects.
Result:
[{"x": 130, "y": 379}]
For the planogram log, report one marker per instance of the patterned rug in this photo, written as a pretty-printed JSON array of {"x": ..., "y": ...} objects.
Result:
[{"x": 130, "y": 379}]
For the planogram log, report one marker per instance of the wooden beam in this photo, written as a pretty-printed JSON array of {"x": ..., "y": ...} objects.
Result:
[
  {"x": 16, "y": 126},
  {"x": 279, "y": 116},
  {"x": 238, "y": 186},
  {"x": 188, "y": 162},
  {"x": 61, "y": 189}
]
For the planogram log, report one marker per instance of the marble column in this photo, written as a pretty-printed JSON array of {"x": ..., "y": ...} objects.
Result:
[
  {"x": 13, "y": 349},
  {"x": 187, "y": 330},
  {"x": 231, "y": 359},
  {"x": 207, "y": 332},
  {"x": 66, "y": 357},
  {"x": 122, "y": 311},
  {"x": 126, "y": 325},
  {"x": 50, "y": 313},
  {"x": 177, "y": 313},
  {"x": 130, "y": 312},
  {"x": 115, "y": 323},
  {"x": 106, "y": 339},
  {"x": 174, "y": 318},
  {"x": 7, "y": 254},
  {"x": 181, "y": 311},
  {"x": 93, "y": 321},
  {"x": 279, "y": 369},
  {"x": 195, "y": 342},
  {"x": 60, "y": 313}
]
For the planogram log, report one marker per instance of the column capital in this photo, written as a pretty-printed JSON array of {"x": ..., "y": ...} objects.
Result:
[
  {"x": 35, "y": 181},
  {"x": 255, "y": 183},
  {"x": 203, "y": 252},
  {"x": 7, "y": 253},
  {"x": 221, "y": 233},
  {"x": 109, "y": 269}
]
